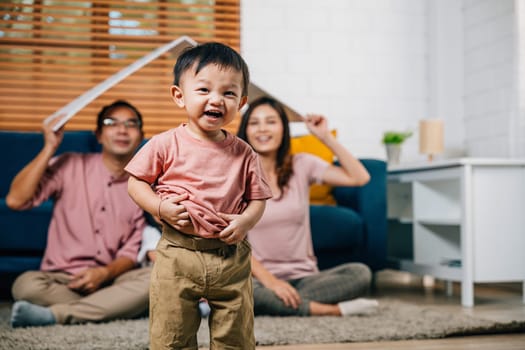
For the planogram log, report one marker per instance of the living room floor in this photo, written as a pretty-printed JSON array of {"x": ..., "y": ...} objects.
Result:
[{"x": 498, "y": 302}]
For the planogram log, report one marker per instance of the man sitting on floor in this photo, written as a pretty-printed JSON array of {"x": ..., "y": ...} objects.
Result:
[{"x": 89, "y": 270}]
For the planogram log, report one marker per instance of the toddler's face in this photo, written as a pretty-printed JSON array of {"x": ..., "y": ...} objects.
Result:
[{"x": 211, "y": 98}]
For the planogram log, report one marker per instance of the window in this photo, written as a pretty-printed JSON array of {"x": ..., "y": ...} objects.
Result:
[{"x": 53, "y": 51}]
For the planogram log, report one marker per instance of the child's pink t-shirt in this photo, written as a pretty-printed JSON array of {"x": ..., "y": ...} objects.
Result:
[
  {"x": 282, "y": 239},
  {"x": 220, "y": 177}
]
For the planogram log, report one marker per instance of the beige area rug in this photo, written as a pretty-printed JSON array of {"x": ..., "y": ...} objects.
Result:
[{"x": 394, "y": 320}]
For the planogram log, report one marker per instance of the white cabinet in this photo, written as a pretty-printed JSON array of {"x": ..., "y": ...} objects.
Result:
[{"x": 465, "y": 220}]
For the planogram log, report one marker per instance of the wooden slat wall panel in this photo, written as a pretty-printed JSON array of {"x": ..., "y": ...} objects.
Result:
[{"x": 53, "y": 51}]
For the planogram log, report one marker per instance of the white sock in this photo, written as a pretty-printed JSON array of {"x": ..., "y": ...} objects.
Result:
[
  {"x": 204, "y": 308},
  {"x": 358, "y": 306},
  {"x": 25, "y": 314}
]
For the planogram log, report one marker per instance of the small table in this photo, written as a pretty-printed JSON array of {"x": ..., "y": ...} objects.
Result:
[{"x": 467, "y": 220}]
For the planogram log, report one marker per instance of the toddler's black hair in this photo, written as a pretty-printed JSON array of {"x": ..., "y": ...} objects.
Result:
[{"x": 211, "y": 53}]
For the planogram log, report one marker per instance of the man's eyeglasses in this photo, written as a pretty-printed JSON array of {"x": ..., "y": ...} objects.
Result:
[{"x": 130, "y": 123}]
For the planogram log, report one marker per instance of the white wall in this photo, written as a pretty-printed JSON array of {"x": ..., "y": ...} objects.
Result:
[
  {"x": 361, "y": 63},
  {"x": 518, "y": 144},
  {"x": 446, "y": 72},
  {"x": 374, "y": 65},
  {"x": 491, "y": 79}
]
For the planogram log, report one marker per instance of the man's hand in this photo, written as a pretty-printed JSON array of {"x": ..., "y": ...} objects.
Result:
[
  {"x": 52, "y": 139},
  {"x": 25, "y": 184},
  {"x": 88, "y": 281}
]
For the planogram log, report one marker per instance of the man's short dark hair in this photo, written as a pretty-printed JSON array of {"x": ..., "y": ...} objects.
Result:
[
  {"x": 106, "y": 110},
  {"x": 211, "y": 53}
]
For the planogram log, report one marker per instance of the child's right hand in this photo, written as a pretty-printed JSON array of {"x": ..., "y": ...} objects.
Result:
[{"x": 175, "y": 214}]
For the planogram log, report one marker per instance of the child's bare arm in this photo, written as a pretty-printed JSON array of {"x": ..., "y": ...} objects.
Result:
[
  {"x": 142, "y": 193},
  {"x": 239, "y": 225}
]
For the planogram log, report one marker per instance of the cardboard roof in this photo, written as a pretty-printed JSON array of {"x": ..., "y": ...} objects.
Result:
[{"x": 175, "y": 48}]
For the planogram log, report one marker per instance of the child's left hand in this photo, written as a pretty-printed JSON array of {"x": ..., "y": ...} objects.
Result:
[{"x": 237, "y": 229}]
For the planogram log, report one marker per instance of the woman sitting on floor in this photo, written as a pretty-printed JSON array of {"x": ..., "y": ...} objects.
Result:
[{"x": 287, "y": 280}]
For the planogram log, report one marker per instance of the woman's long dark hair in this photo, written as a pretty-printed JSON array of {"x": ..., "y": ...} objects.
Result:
[{"x": 284, "y": 165}]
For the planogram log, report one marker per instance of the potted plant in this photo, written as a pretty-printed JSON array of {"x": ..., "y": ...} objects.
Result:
[{"x": 392, "y": 141}]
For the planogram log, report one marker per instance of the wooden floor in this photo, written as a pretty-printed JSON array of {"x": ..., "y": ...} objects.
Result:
[
  {"x": 499, "y": 302},
  {"x": 487, "y": 342}
]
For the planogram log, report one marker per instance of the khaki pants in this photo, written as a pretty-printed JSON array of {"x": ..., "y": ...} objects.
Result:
[
  {"x": 126, "y": 297},
  {"x": 181, "y": 276}
]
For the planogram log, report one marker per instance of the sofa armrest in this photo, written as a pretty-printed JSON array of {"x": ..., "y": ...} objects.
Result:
[{"x": 370, "y": 202}]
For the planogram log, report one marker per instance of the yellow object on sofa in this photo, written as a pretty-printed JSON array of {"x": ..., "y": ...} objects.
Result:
[{"x": 319, "y": 194}]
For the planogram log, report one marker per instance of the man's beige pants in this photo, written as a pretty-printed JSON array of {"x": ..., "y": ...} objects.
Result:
[
  {"x": 181, "y": 276},
  {"x": 126, "y": 297}
]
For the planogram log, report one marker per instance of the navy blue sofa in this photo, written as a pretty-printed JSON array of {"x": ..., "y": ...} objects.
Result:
[{"x": 354, "y": 230}]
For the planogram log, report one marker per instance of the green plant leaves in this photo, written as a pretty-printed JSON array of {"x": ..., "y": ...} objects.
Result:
[{"x": 396, "y": 137}]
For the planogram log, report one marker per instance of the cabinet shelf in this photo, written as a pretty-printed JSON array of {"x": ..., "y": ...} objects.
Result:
[
  {"x": 446, "y": 218},
  {"x": 439, "y": 222},
  {"x": 450, "y": 273},
  {"x": 402, "y": 220}
]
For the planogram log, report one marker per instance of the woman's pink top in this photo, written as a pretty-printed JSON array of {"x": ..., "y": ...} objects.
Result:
[{"x": 282, "y": 239}]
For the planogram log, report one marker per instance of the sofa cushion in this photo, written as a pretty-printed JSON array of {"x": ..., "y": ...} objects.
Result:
[
  {"x": 24, "y": 231},
  {"x": 319, "y": 194},
  {"x": 336, "y": 228},
  {"x": 15, "y": 265}
]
